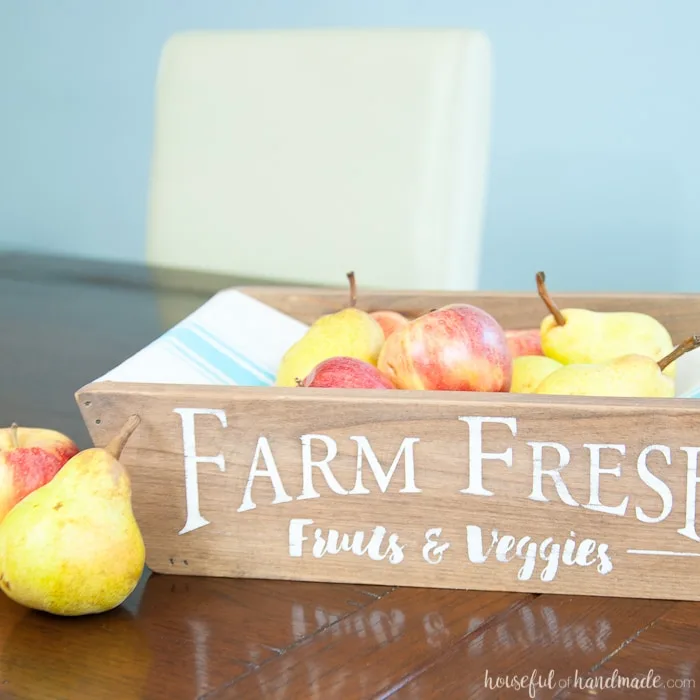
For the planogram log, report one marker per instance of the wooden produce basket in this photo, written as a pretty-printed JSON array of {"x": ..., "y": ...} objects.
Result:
[{"x": 505, "y": 492}]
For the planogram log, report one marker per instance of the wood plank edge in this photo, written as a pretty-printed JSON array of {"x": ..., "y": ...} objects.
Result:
[
  {"x": 398, "y": 294},
  {"x": 520, "y": 600},
  {"x": 563, "y": 692},
  {"x": 480, "y": 400},
  {"x": 574, "y": 590},
  {"x": 304, "y": 639}
]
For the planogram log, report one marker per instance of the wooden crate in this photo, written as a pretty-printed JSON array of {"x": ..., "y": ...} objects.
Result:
[{"x": 464, "y": 506}]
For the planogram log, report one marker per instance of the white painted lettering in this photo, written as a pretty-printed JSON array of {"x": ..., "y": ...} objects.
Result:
[
  {"x": 548, "y": 551},
  {"x": 585, "y": 549},
  {"x": 433, "y": 551},
  {"x": 308, "y": 463},
  {"x": 195, "y": 519},
  {"x": 605, "y": 565},
  {"x": 364, "y": 451},
  {"x": 296, "y": 535},
  {"x": 477, "y": 455},
  {"x": 475, "y": 547},
  {"x": 595, "y": 472},
  {"x": 538, "y": 472},
  {"x": 529, "y": 556},
  {"x": 505, "y": 544},
  {"x": 688, "y": 530},
  {"x": 335, "y": 542},
  {"x": 654, "y": 483},
  {"x": 569, "y": 549},
  {"x": 262, "y": 450}
]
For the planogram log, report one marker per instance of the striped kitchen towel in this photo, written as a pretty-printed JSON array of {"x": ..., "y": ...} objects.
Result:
[{"x": 231, "y": 339}]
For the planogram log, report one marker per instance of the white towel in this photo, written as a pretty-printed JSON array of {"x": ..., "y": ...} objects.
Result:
[{"x": 231, "y": 339}]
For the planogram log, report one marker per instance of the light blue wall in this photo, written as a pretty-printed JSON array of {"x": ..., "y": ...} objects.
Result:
[{"x": 595, "y": 171}]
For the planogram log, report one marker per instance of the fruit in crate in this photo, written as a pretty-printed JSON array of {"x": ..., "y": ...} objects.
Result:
[
  {"x": 390, "y": 321},
  {"x": 524, "y": 342},
  {"x": 346, "y": 373},
  {"x": 583, "y": 336},
  {"x": 350, "y": 332},
  {"x": 458, "y": 347},
  {"x": 629, "y": 375},
  {"x": 529, "y": 371},
  {"x": 29, "y": 458},
  {"x": 72, "y": 546}
]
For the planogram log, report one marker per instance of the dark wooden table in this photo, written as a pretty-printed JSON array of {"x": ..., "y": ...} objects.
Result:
[{"x": 65, "y": 322}]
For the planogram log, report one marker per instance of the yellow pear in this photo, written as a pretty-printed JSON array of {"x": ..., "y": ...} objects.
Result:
[
  {"x": 629, "y": 375},
  {"x": 72, "y": 546},
  {"x": 582, "y": 336},
  {"x": 350, "y": 332},
  {"x": 529, "y": 371}
]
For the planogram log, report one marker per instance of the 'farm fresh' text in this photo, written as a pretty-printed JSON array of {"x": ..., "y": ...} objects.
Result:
[{"x": 595, "y": 485}]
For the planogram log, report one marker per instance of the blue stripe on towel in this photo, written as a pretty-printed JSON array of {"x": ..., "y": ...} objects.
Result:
[
  {"x": 264, "y": 374},
  {"x": 195, "y": 362},
  {"x": 231, "y": 370}
]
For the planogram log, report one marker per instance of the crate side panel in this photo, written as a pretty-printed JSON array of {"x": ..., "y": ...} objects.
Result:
[
  {"x": 680, "y": 313},
  {"x": 613, "y": 514}
]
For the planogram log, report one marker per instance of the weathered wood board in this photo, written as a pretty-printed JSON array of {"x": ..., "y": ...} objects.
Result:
[{"x": 566, "y": 495}]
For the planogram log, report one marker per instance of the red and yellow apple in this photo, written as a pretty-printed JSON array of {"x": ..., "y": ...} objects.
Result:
[
  {"x": 527, "y": 341},
  {"x": 346, "y": 373},
  {"x": 458, "y": 347},
  {"x": 390, "y": 321},
  {"x": 29, "y": 458}
]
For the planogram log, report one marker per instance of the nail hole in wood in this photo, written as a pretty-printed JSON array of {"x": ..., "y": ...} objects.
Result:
[
  {"x": 98, "y": 421},
  {"x": 88, "y": 403}
]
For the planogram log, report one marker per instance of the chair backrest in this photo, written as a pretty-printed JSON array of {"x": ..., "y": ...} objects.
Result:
[{"x": 298, "y": 155}]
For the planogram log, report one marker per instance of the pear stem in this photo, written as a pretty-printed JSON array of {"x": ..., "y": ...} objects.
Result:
[
  {"x": 353, "y": 289},
  {"x": 686, "y": 346},
  {"x": 298, "y": 381},
  {"x": 548, "y": 301},
  {"x": 117, "y": 443},
  {"x": 13, "y": 435}
]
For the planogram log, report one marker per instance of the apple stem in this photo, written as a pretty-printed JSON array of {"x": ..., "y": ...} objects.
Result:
[
  {"x": 686, "y": 346},
  {"x": 13, "y": 435},
  {"x": 117, "y": 443},
  {"x": 298, "y": 381},
  {"x": 548, "y": 301},
  {"x": 353, "y": 289}
]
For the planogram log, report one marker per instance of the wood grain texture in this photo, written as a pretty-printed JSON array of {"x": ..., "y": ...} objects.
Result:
[
  {"x": 70, "y": 320},
  {"x": 224, "y": 629},
  {"x": 657, "y": 661},
  {"x": 447, "y": 459},
  {"x": 400, "y": 633},
  {"x": 41, "y": 656},
  {"x": 584, "y": 631},
  {"x": 679, "y": 312}
]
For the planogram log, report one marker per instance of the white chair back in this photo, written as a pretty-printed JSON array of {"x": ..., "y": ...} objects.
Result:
[{"x": 298, "y": 155}]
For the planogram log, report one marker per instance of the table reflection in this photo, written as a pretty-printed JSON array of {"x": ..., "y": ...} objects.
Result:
[{"x": 103, "y": 656}]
